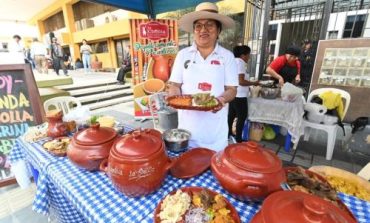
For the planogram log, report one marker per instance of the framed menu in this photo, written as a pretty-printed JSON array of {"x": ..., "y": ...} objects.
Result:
[
  {"x": 345, "y": 64},
  {"x": 20, "y": 108}
]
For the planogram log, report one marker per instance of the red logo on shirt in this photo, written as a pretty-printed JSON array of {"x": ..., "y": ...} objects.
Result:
[
  {"x": 205, "y": 86},
  {"x": 216, "y": 62}
]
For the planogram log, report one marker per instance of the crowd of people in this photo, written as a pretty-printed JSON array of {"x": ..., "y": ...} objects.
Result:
[{"x": 43, "y": 56}]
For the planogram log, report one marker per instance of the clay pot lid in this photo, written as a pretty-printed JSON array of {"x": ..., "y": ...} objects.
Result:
[
  {"x": 95, "y": 135},
  {"x": 137, "y": 145},
  {"x": 295, "y": 206},
  {"x": 251, "y": 157},
  {"x": 192, "y": 163}
]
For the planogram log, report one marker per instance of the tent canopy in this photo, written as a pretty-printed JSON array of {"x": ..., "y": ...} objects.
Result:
[{"x": 150, "y": 7}]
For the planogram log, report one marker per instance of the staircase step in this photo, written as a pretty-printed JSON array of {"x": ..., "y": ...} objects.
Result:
[
  {"x": 111, "y": 102},
  {"x": 105, "y": 96},
  {"x": 97, "y": 90},
  {"x": 87, "y": 84}
]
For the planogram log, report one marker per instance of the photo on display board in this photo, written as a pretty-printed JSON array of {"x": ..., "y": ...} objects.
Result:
[
  {"x": 325, "y": 80},
  {"x": 343, "y": 61},
  {"x": 358, "y": 62},
  {"x": 353, "y": 81},
  {"x": 329, "y": 62},
  {"x": 340, "y": 72},
  {"x": 355, "y": 72},
  {"x": 330, "y": 52},
  {"x": 339, "y": 81},
  {"x": 360, "y": 52}
]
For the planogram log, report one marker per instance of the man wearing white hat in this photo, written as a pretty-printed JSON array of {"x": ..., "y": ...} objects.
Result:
[{"x": 205, "y": 67}]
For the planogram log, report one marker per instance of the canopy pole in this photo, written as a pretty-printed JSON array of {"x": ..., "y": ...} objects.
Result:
[{"x": 151, "y": 14}]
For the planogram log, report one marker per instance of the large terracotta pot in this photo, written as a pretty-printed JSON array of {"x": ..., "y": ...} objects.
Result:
[
  {"x": 89, "y": 147},
  {"x": 137, "y": 164},
  {"x": 248, "y": 171},
  {"x": 295, "y": 206},
  {"x": 162, "y": 67},
  {"x": 56, "y": 126}
]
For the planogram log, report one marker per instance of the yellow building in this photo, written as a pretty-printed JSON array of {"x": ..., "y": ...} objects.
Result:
[{"x": 106, "y": 28}]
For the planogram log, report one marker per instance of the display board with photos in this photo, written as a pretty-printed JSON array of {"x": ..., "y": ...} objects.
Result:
[
  {"x": 346, "y": 67},
  {"x": 345, "y": 64}
]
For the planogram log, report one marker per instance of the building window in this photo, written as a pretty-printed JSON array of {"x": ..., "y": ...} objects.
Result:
[
  {"x": 272, "y": 32},
  {"x": 354, "y": 26},
  {"x": 333, "y": 34},
  {"x": 100, "y": 47},
  {"x": 54, "y": 22}
]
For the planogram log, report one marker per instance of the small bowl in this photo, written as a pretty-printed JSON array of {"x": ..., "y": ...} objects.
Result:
[
  {"x": 153, "y": 85},
  {"x": 270, "y": 93},
  {"x": 176, "y": 140}
]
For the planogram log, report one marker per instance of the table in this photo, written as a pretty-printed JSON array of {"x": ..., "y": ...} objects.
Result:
[
  {"x": 278, "y": 112},
  {"x": 76, "y": 195}
]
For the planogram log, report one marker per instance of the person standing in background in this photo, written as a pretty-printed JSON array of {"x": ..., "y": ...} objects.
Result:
[
  {"x": 57, "y": 54},
  {"x": 307, "y": 60},
  {"x": 38, "y": 54},
  {"x": 16, "y": 49},
  {"x": 86, "y": 51},
  {"x": 16, "y": 46},
  {"x": 286, "y": 68},
  {"x": 239, "y": 106}
]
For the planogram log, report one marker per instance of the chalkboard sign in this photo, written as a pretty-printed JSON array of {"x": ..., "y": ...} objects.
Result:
[{"x": 20, "y": 108}]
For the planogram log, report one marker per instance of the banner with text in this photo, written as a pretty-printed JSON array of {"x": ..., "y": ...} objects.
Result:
[
  {"x": 154, "y": 44},
  {"x": 19, "y": 109}
]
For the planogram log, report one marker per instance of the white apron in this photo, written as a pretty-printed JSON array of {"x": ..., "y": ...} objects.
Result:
[{"x": 208, "y": 129}]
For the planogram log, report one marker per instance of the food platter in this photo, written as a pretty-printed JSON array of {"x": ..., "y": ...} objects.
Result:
[
  {"x": 192, "y": 163},
  {"x": 186, "y": 102},
  {"x": 58, "y": 146},
  {"x": 306, "y": 181},
  {"x": 196, "y": 200},
  {"x": 344, "y": 181}
]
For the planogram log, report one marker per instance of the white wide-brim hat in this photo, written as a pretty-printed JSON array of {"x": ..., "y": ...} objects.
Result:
[{"x": 205, "y": 10}]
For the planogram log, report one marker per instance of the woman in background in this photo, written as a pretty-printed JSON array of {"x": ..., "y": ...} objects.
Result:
[{"x": 86, "y": 52}]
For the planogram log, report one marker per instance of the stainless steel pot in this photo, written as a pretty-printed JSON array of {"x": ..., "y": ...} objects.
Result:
[{"x": 176, "y": 140}]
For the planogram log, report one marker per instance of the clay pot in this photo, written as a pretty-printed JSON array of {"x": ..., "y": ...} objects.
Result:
[
  {"x": 56, "y": 126},
  {"x": 295, "y": 206},
  {"x": 89, "y": 147},
  {"x": 248, "y": 171},
  {"x": 162, "y": 67},
  {"x": 137, "y": 164}
]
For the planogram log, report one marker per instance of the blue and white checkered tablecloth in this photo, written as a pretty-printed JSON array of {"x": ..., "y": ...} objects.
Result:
[
  {"x": 93, "y": 195},
  {"x": 359, "y": 208},
  {"x": 34, "y": 153},
  {"x": 49, "y": 201}
]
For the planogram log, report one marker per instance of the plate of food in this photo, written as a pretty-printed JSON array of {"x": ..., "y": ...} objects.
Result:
[
  {"x": 344, "y": 181},
  {"x": 36, "y": 133},
  {"x": 200, "y": 102},
  {"x": 195, "y": 205},
  {"x": 58, "y": 146},
  {"x": 300, "y": 179}
]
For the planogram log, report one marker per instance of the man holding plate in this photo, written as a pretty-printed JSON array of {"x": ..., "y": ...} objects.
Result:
[{"x": 205, "y": 67}]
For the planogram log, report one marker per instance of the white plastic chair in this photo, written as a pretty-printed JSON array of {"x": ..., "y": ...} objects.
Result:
[
  {"x": 64, "y": 103},
  {"x": 330, "y": 129},
  {"x": 365, "y": 172}
]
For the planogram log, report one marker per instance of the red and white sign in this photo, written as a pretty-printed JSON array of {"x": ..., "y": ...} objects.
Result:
[
  {"x": 153, "y": 30},
  {"x": 205, "y": 86}
]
